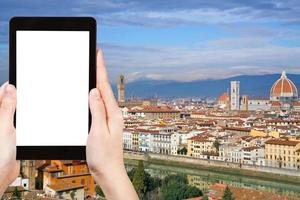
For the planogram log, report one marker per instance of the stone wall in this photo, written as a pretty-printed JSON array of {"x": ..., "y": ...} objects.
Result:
[{"x": 206, "y": 162}]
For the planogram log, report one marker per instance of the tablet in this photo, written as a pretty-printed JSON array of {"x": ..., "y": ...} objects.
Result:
[{"x": 52, "y": 63}]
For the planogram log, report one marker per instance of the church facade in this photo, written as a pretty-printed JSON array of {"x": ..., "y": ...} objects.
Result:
[{"x": 283, "y": 96}]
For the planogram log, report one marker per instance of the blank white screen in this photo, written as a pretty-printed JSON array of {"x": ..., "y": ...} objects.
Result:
[{"x": 52, "y": 88}]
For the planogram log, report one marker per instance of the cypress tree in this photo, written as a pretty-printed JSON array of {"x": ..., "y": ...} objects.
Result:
[
  {"x": 227, "y": 195},
  {"x": 139, "y": 180}
]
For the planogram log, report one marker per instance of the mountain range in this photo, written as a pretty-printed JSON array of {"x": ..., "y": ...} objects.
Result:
[{"x": 252, "y": 85}]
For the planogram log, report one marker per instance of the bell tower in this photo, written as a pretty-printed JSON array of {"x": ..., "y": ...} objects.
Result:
[{"x": 121, "y": 90}]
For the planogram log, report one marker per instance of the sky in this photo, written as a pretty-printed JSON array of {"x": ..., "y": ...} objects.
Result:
[{"x": 179, "y": 40}]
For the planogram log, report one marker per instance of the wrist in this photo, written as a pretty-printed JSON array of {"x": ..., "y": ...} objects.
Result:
[
  {"x": 109, "y": 175},
  {"x": 3, "y": 185}
]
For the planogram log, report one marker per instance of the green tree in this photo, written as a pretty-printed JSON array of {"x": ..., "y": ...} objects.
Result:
[
  {"x": 99, "y": 191},
  {"x": 175, "y": 187},
  {"x": 216, "y": 144},
  {"x": 139, "y": 180},
  {"x": 227, "y": 195},
  {"x": 131, "y": 173},
  {"x": 16, "y": 193},
  {"x": 72, "y": 194},
  {"x": 184, "y": 151}
]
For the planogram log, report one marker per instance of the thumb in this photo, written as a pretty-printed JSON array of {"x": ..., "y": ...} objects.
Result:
[
  {"x": 97, "y": 110},
  {"x": 8, "y": 107}
]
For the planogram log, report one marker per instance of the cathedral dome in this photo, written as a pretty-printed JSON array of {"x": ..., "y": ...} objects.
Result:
[{"x": 283, "y": 89}]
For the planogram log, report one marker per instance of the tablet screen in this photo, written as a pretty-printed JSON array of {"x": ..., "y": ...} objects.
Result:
[{"x": 52, "y": 74}]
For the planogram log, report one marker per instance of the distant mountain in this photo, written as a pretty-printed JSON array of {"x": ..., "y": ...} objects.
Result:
[{"x": 252, "y": 85}]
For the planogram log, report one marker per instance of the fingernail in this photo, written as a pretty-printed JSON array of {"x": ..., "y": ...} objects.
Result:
[
  {"x": 95, "y": 94},
  {"x": 10, "y": 90}
]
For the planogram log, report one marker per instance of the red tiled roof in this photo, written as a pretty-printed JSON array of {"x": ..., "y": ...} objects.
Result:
[
  {"x": 224, "y": 97},
  {"x": 275, "y": 103},
  {"x": 65, "y": 186},
  {"x": 282, "y": 142},
  {"x": 283, "y": 85},
  {"x": 237, "y": 129}
]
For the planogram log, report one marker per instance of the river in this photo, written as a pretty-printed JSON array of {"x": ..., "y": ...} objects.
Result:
[{"x": 204, "y": 179}]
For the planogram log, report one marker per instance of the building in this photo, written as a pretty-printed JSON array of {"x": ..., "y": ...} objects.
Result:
[
  {"x": 61, "y": 177},
  {"x": 127, "y": 140},
  {"x": 121, "y": 91},
  {"x": 161, "y": 143},
  {"x": 283, "y": 96},
  {"x": 282, "y": 153},
  {"x": 257, "y": 133},
  {"x": 284, "y": 92},
  {"x": 235, "y": 154},
  {"x": 28, "y": 170},
  {"x": 244, "y": 102},
  {"x": 235, "y": 95},
  {"x": 21, "y": 182},
  {"x": 155, "y": 112},
  {"x": 66, "y": 191},
  {"x": 201, "y": 145},
  {"x": 175, "y": 143},
  {"x": 224, "y": 101},
  {"x": 145, "y": 139},
  {"x": 258, "y": 103},
  {"x": 253, "y": 155},
  {"x": 135, "y": 141}
]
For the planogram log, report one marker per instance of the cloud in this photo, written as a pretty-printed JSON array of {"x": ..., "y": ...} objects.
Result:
[
  {"x": 254, "y": 28},
  {"x": 202, "y": 62}
]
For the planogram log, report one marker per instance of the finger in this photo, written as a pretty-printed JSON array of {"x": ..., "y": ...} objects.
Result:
[
  {"x": 103, "y": 85},
  {"x": 2, "y": 89},
  {"x": 8, "y": 107},
  {"x": 98, "y": 111}
]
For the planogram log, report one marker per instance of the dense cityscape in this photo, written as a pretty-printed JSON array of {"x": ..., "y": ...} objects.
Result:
[{"x": 234, "y": 134}]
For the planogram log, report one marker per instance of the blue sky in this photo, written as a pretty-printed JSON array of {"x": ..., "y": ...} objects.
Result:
[{"x": 179, "y": 40}]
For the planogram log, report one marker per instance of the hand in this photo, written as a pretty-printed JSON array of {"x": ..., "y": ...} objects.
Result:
[
  {"x": 104, "y": 146},
  {"x": 9, "y": 167}
]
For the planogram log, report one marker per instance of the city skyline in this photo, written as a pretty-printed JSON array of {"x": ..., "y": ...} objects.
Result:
[{"x": 171, "y": 40}]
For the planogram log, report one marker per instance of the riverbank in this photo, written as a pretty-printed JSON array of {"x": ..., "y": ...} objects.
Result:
[{"x": 287, "y": 176}]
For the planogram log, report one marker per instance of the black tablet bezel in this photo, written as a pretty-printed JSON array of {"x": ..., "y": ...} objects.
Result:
[{"x": 52, "y": 24}]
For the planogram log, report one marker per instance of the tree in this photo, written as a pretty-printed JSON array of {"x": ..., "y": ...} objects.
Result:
[
  {"x": 72, "y": 194},
  {"x": 216, "y": 144},
  {"x": 227, "y": 195},
  {"x": 175, "y": 187},
  {"x": 131, "y": 173},
  {"x": 184, "y": 151},
  {"x": 139, "y": 180},
  {"x": 99, "y": 191},
  {"x": 16, "y": 193}
]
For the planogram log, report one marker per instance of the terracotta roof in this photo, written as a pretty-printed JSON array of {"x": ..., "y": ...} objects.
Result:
[
  {"x": 224, "y": 97},
  {"x": 237, "y": 129},
  {"x": 259, "y": 98},
  {"x": 282, "y": 142},
  {"x": 157, "y": 109},
  {"x": 12, "y": 189},
  {"x": 199, "y": 138},
  {"x": 65, "y": 186},
  {"x": 250, "y": 148},
  {"x": 297, "y": 103},
  {"x": 216, "y": 192},
  {"x": 275, "y": 103},
  {"x": 283, "y": 87}
]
